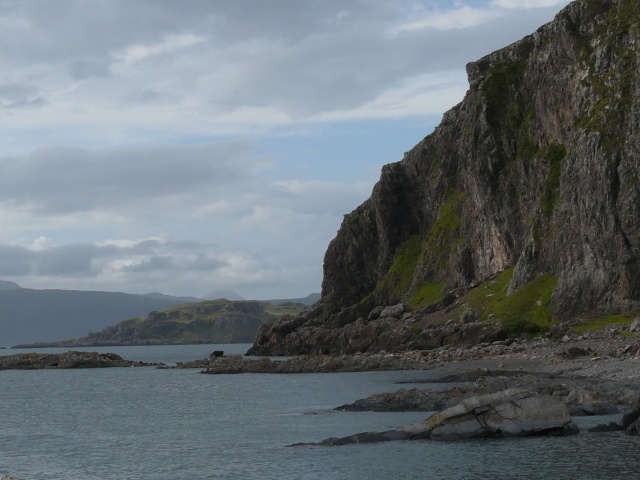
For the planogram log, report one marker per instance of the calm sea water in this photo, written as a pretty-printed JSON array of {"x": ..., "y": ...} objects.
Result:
[{"x": 145, "y": 423}]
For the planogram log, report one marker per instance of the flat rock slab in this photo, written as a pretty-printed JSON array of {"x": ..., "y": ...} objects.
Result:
[
  {"x": 509, "y": 413},
  {"x": 512, "y": 412}
]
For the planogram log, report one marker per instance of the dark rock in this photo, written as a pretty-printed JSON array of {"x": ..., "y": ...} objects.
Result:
[
  {"x": 575, "y": 352},
  {"x": 606, "y": 427}
]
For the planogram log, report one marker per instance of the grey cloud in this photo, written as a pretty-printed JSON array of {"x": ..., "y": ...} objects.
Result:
[
  {"x": 168, "y": 263},
  {"x": 207, "y": 263},
  {"x": 84, "y": 69},
  {"x": 150, "y": 96},
  {"x": 85, "y": 260},
  {"x": 69, "y": 260},
  {"x": 73, "y": 260},
  {"x": 347, "y": 68},
  {"x": 301, "y": 57},
  {"x": 15, "y": 260},
  {"x": 19, "y": 96},
  {"x": 152, "y": 264},
  {"x": 63, "y": 180}
]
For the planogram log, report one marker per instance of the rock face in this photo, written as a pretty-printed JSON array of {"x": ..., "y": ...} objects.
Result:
[
  {"x": 509, "y": 413},
  {"x": 537, "y": 169}
]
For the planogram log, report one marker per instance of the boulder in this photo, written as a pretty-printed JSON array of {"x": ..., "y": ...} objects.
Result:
[
  {"x": 392, "y": 311},
  {"x": 509, "y": 413},
  {"x": 606, "y": 427},
  {"x": 635, "y": 326}
]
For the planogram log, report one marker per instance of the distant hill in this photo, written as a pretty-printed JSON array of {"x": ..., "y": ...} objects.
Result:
[
  {"x": 6, "y": 285},
  {"x": 162, "y": 296},
  {"x": 213, "y": 321},
  {"x": 28, "y": 316},
  {"x": 223, "y": 294},
  {"x": 308, "y": 300}
]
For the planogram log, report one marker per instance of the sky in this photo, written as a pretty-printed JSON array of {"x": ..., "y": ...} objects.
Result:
[{"x": 189, "y": 146}]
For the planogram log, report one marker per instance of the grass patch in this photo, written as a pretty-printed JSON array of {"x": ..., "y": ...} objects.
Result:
[
  {"x": 526, "y": 311},
  {"x": 596, "y": 321},
  {"x": 444, "y": 235},
  {"x": 426, "y": 295},
  {"x": 486, "y": 296},
  {"x": 428, "y": 257},
  {"x": 406, "y": 259},
  {"x": 554, "y": 155}
]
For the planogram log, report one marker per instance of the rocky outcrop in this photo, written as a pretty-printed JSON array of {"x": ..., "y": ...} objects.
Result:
[
  {"x": 71, "y": 359},
  {"x": 510, "y": 413},
  {"x": 537, "y": 169},
  {"x": 582, "y": 396}
]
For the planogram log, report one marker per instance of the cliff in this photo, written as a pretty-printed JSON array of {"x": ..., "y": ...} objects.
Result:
[{"x": 532, "y": 181}]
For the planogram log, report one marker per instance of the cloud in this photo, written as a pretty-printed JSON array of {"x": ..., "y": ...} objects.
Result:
[
  {"x": 526, "y": 3},
  {"x": 458, "y": 18},
  {"x": 14, "y": 96},
  {"x": 62, "y": 180},
  {"x": 155, "y": 69}
]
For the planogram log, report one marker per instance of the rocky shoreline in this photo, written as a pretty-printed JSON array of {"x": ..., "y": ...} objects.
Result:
[{"x": 592, "y": 374}]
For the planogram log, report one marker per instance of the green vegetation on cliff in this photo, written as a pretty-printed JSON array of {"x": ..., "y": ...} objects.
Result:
[{"x": 525, "y": 311}]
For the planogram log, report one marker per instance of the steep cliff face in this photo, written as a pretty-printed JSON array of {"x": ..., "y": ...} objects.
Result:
[{"x": 538, "y": 169}]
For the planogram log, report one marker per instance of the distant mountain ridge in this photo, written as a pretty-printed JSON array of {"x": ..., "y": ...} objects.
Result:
[
  {"x": 223, "y": 294},
  {"x": 162, "y": 296},
  {"x": 308, "y": 300},
  {"x": 29, "y": 316},
  {"x": 6, "y": 285},
  {"x": 209, "y": 321}
]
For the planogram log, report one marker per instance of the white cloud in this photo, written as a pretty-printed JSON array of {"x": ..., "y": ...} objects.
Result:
[
  {"x": 526, "y": 3},
  {"x": 41, "y": 243},
  {"x": 137, "y": 53},
  {"x": 458, "y": 18}
]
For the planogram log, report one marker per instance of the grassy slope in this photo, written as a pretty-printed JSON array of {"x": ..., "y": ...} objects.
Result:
[{"x": 217, "y": 321}]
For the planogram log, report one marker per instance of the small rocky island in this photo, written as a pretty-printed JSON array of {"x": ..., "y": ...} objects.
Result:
[{"x": 70, "y": 359}]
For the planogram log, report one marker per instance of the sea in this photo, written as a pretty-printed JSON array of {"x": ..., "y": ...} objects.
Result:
[{"x": 154, "y": 424}]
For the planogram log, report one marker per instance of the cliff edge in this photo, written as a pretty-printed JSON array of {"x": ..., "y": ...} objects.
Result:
[{"x": 532, "y": 181}]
